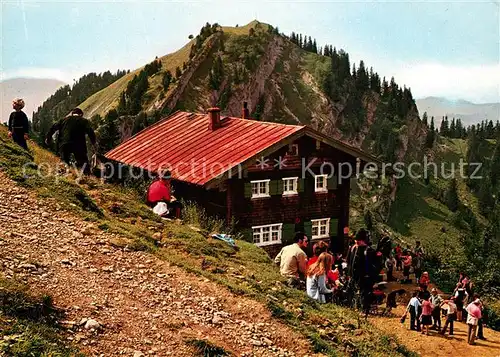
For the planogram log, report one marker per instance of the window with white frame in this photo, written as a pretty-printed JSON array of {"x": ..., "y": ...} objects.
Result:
[
  {"x": 293, "y": 150},
  {"x": 290, "y": 185},
  {"x": 260, "y": 188},
  {"x": 268, "y": 234},
  {"x": 321, "y": 183},
  {"x": 320, "y": 228}
]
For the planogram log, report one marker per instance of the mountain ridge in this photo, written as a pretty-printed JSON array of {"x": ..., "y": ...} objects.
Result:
[
  {"x": 469, "y": 112},
  {"x": 282, "y": 78}
]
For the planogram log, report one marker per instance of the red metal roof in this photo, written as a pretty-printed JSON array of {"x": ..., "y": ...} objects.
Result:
[{"x": 184, "y": 144}]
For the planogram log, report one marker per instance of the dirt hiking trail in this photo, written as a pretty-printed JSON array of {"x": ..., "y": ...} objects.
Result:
[
  {"x": 435, "y": 345},
  {"x": 138, "y": 304}
]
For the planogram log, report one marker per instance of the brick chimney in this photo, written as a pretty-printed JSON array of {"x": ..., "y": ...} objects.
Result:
[
  {"x": 245, "y": 114},
  {"x": 214, "y": 116}
]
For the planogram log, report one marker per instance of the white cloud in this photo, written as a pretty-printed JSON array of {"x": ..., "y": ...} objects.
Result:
[{"x": 478, "y": 84}]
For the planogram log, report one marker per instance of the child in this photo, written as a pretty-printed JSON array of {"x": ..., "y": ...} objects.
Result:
[
  {"x": 406, "y": 266},
  {"x": 413, "y": 309},
  {"x": 426, "y": 317},
  {"x": 451, "y": 315},
  {"x": 460, "y": 296},
  {"x": 424, "y": 280}
]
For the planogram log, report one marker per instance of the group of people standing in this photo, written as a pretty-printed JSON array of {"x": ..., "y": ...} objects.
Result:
[{"x": 426, "y": 309}]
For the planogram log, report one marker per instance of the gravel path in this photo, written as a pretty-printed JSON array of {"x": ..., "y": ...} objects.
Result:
[{"x": 127, "y": 303}]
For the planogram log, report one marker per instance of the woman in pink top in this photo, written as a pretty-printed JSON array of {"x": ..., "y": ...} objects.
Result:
[
  {"x": 473, "y": 316},
  {"x": 426, "y": 317}
]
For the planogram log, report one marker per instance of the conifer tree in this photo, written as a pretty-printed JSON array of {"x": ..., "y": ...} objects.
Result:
[
  {"x": 431, "y": 135},
  {"x": 485, "y": 196},
  {"x": 178, "y": 73},
  {"x": 167, "y": 78},
  {"x": 216, "y": 73},
  {"x": 425, "y": 119},
  {"x": 495, "y": 166},
  {"x": 452, "y": 199},
  {"x": 109, "y": 135}
]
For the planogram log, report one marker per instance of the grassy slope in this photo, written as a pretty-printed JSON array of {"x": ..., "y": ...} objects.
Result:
[
  {"x": 249, "y": 271},
  {"x": 27, "y": 324},
  {"x": 108, "y": 98},
  {"x": 418, "y": 215}
]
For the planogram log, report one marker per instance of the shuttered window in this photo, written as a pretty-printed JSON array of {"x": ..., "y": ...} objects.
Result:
[
  {"x": 320, "y": 228},
  {"x": 260, "y": 188},
  {"x": 321, "y": 183},
  {"x": 290, "y": 186}
]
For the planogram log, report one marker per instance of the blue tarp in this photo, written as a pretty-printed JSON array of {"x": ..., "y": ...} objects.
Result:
[{"x": 225, "y": 238}]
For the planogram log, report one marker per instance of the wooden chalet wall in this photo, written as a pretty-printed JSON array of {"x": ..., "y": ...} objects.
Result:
[{"x": 295, "y": 212}]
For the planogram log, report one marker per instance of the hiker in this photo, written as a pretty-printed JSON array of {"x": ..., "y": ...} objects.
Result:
[
  {"x": 460, "y": 296},
  {"x": 414, "y": 308},
  {"x": 160, "y": 190},
  {"x": 418, "y": 249},
  {"x": 19, "y": 124},
  {"x": 417, "y": 266},
  {"x": 480, "y": 332},
  {"x": 424, "y": 280},
  {"x": 473, "y": 316},
  {"x": 71, "y": 138},
  {"x": 398, "y": 254},
  {"x": 451, "y": 315},
  {"x": 318, "y": 248},
  {"x": 391, "y": 300},
  {"x": 423, "y": 293},
  {"x": 292, "y": 260},
  {"x": 426, "y": 316},
  {"x": 390, "y": 263},
  {"x": 362, "y": 268},
  {"x": 407, "y": 260},
  {"x": 436, "y": 301},
  {"x": 384, "y": 246},
  {"x": 317, "y": 277}
]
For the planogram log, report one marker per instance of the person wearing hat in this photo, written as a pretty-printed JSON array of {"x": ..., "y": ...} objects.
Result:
[
  {"x": 436, "y": 301},
  {"x": 19, "y": 124},
  {"x": 73, "y": 130}
]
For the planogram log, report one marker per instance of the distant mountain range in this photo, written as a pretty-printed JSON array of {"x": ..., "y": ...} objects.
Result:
[
  {"x": 33, "y": 90},
  {"x": 469, "y": 113}
]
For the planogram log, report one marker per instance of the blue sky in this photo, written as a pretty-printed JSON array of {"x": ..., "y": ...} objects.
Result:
[{"x": 447, "y": 49}]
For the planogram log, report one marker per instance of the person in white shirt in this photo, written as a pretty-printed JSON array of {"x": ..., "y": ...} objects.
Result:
[
  {"x": 451, "y": 315},
  {"x": 413, "y": 309}
]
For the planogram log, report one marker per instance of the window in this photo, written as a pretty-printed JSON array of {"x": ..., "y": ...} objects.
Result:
[
  {"x": 293, "y": 150},
  {"x": 321, "y": 183},
  {"x": 260, "y": 188},
  {"x": 290, "y": 186},
  {"x": 320, "y": 228},
  {"x": 267, "y": 235}
]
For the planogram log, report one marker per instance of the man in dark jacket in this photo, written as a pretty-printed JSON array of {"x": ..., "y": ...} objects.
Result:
[
  {"x": 19, "y": 124},
  {"x": 71, "y": 139},
  {"x": 362, "y": 268}
]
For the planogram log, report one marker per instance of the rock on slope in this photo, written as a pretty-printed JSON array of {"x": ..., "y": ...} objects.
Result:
[{"x": 120, "y": 302}]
